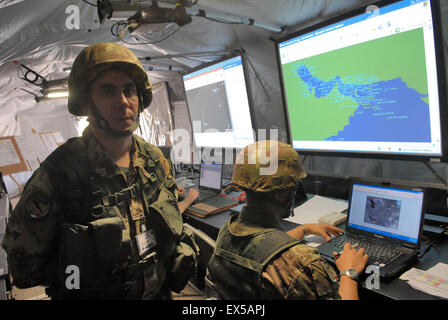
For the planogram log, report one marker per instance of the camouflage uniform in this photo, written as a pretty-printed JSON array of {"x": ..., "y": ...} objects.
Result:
[
  {"x": 80, "y": 209},
  {"x": 254, "y": 258}
]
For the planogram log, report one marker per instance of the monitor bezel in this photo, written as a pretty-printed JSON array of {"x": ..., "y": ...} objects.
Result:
[
  {"x": 441, "y": 81},
  {"x": 244, "y": 63}
]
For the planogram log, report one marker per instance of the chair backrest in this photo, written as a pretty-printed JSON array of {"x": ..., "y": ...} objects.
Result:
[
  {"x": 205, "y": 243},
  {"x": 206, "y": 247}
]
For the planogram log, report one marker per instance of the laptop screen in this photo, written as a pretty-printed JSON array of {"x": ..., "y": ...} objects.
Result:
[
  {"x": 387, "y": 211},
  {"x": 210, "y": 176}
]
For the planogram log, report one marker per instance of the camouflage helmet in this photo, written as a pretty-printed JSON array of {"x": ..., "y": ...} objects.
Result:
[
  {"x": 97, "y": 58},
  {"x": 267, "y": 166}
]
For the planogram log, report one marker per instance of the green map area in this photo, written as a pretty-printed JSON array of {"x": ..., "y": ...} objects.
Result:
[{"x": 369, "y": 69}]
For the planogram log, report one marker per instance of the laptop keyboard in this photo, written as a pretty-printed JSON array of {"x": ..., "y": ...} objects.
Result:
[
  {"x": 206, "y": 194},
  {"x": 379, "y": 254}
]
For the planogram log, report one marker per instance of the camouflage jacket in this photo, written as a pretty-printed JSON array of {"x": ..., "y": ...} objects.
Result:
[
  {"x": 297, "y": 272},
  {"x": 35, "y": 243}
]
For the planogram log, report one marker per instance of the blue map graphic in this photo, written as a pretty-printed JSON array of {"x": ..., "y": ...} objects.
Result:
[{"x": 387, "y": 111}]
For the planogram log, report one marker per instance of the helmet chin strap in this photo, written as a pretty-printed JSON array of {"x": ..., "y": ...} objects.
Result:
[
  {"x": 288, "y": 205},
  {"x": 98, "y": 121}
]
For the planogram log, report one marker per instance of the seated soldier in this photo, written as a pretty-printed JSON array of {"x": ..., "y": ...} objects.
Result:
[{"x": 255, "y": 259}]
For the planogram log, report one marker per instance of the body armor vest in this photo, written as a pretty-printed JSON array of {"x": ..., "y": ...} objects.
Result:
[
  {"x": 93, "y": 237},
  {"x": 238, "y": 261}
]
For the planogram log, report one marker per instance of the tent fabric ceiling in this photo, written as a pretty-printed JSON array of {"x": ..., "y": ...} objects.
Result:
[{"x": 35, "y": 33}]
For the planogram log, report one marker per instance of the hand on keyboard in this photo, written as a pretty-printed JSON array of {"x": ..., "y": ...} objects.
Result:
[
  {"x": 379, "y": 254},
  {"x": 193, "y": 194},
  {"x": 351, "y": 258}
]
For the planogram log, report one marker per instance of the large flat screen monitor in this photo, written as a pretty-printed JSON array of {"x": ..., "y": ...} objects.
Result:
[
  {"x": 219, "y": 104},
  {"x": 370, "y": 83}
]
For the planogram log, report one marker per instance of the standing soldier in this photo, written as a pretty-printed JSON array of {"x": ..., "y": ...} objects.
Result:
[
  {"x": 100, "y": 219},
  {"x": 255, "y": 259}
]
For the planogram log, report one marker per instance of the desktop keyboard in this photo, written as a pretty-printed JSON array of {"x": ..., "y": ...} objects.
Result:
[{"x": 379, "y": 254}]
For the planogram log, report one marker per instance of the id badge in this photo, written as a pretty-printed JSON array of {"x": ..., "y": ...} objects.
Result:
[{"x": 145, "y": 241}]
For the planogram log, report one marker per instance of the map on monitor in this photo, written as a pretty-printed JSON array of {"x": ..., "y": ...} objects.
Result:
[{"x": 366, "y": 84}]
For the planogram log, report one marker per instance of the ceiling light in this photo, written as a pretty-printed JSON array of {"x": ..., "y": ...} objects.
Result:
[{"x": 57, "y": 94}]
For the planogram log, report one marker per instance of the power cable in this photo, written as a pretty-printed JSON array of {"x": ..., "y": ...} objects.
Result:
[{"x": 27, "y": 84}]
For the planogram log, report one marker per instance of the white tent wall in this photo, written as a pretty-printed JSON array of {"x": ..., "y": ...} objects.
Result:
[
  {"x": 34, "y": 33},
  {"x": 50, "y": 115}
]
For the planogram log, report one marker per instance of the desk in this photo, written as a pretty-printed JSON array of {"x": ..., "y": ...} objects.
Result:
[
  {"x": 400, "y": 290},
  {"x": 396, "y": 289}
]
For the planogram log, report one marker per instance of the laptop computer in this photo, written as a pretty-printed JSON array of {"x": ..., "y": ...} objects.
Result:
[
  {"x": 210, "y": 181},
  {"x": 386, "y": 221}
]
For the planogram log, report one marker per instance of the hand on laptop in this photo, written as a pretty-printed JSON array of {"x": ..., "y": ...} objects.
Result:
[
  {"x": 351, "y": 258},
  {"x": 187, "y": 200},
  {"x": 324, "y": 230},
  {"x": 193, "y": 194}
]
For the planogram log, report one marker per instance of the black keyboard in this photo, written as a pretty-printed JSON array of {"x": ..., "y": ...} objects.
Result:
[{"x": 379, "y": 253}]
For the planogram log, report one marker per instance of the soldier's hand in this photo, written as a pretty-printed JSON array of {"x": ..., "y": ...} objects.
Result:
[
  {"x": 323, "y": 229},
  {"x": 193, "y": 194},
  {"x": 180, "y": 190},
  {"x": 351, "y": 258}
]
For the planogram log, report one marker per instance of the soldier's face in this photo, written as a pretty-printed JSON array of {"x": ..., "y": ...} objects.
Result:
[{"x": 114, "y": 94}]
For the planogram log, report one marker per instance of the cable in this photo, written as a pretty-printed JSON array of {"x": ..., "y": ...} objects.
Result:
[
  {"x": 445, "y": 45},
  {"x": 241, "y": 194},
  {"x": 435, "y": 173},
  {"x": 430, "y": 245},
  {"x": 119, "y": 25},
  {"x": 93, "y": 5},
  {"x": 27, "y": 84}
]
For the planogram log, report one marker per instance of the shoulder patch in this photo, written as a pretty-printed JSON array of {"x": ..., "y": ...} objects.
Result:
[{"x": 38, "y": 206}]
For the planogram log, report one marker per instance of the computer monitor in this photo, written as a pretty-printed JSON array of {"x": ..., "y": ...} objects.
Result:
[
  {"x": 210, "y": 176},
  {"x": 395, "y": 212},
  {"x": 219, "y": 104},
  {"x": 367, "y": 84}
]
